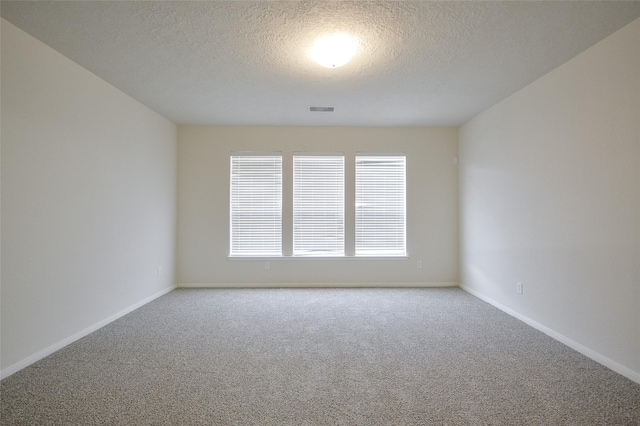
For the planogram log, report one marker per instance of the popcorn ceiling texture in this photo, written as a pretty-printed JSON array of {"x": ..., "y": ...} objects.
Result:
[{"x": 246, "y": 63}]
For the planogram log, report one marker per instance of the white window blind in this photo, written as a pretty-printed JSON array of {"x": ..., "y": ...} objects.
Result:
[
  {"x": 256, "y": 204},
  {"x": 380, "y": 205},
  {"x": 318, "y": 205}
]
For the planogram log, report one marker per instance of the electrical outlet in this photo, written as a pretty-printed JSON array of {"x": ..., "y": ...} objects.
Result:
[
  {"x": 159, "y": 271},
  {"x": 519, "y": 288},
  {"x": 419, "y": 264},
  {"x": 267, "y": 265}
]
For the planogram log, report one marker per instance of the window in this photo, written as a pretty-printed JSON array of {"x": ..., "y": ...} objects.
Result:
[
  {"x": 256, "y": 204},
  {"x": 313, "y": 216},
  {"x": 318, "y": 205},
  {"x": 380, "y": 205}
]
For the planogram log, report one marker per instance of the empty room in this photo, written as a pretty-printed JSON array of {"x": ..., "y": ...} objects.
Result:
[{"x": 320, "y": 213}]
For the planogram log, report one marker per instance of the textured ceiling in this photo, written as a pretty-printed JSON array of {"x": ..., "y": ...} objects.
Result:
[{"x": 419, "y": 63}]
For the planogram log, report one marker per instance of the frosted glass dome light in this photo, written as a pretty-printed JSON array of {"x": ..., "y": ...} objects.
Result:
[{"x": 334, "y": 50}]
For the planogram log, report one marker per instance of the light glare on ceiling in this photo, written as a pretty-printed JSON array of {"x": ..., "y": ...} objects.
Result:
[{"x": 334, "y": 50}]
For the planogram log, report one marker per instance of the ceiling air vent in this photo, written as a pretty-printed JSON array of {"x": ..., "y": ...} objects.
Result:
[{"x": 320, "y": 109}]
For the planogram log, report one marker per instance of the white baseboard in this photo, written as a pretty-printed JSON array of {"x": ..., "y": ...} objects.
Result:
[
  {"x": 618, "y": 368},
  {"x": 319, "y": 285},
  {"x": 64, "y": 342}
]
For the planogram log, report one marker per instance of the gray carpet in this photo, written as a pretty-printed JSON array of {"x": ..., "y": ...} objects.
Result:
[{"x": 318, "y": 357}]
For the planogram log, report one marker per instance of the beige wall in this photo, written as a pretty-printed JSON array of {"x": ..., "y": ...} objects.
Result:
[
  {"x": 88, "y": 201},
  {"x": 203, "y": 205},
  {"x": 550, "y": 197}
]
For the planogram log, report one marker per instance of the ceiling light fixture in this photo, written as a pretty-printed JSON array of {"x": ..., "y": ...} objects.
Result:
[{"x": 334, "y": 50}]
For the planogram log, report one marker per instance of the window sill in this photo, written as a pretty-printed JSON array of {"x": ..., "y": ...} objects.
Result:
[{"x": 275, "y": 258}]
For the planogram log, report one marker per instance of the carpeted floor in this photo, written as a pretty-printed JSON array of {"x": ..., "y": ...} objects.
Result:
[{"x": 318, "y": 357}]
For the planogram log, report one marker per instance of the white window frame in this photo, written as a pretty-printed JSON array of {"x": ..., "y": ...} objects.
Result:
[
  {"x": 255, "y": 206},
  {"x": 380, "y": 205},
  {"x": 284, "y": 222},
  {"x": 318, "y": 204}
]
